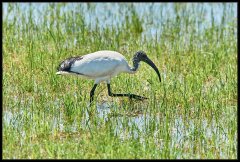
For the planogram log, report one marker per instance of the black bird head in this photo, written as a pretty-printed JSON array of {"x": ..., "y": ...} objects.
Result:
[{"x": 141, "y": 56}]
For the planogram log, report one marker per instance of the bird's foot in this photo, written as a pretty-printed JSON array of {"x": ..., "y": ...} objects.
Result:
[{"x": 131, "y": 96}]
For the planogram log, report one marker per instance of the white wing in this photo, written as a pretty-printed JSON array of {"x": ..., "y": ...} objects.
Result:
[{"x": 100, "y": 64}]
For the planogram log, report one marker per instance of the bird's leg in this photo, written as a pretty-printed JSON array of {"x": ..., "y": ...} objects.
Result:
[
  {"x": 92, "y": 93},
  {"x": 122, "y": 95}
]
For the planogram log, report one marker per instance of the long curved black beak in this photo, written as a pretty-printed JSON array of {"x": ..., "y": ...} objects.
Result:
[{"x": 150, "y": 63}]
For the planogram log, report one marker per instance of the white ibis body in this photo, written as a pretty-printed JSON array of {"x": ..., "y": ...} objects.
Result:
[{"x": 102, "y": 66}]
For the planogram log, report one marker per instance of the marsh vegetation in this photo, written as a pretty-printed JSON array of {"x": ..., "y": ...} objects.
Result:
[{"x": 191, "y": 114}]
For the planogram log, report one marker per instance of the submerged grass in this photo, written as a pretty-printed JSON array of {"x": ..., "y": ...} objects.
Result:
[{"x": 192, "y": 113}]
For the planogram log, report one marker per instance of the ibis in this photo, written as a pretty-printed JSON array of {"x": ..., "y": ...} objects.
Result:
[{"x": 102, "y": 66}]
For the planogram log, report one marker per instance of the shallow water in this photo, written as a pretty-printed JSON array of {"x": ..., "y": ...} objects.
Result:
[
  {"x": 153, "y": 16},
  {"x": 181, "y": 130}
]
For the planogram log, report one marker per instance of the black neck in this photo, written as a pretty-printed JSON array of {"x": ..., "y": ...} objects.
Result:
[{"x": 135, "y": 63}]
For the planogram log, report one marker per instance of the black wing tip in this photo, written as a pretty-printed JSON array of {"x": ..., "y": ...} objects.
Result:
[{"x": 66, "y": 64}]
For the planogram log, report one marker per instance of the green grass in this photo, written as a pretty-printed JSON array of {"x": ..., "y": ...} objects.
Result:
[{"x": 191, "y": 114}]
